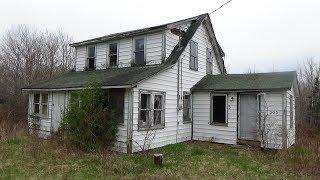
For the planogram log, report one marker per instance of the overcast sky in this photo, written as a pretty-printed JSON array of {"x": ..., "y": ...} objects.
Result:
[{"x": 265, "y": 35}]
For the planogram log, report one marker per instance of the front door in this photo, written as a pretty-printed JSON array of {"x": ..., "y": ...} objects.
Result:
[{"x": 248, "y": 125}]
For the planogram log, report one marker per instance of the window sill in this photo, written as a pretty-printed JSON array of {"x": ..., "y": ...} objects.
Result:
[
  {"x": 219, "y": 124},
  {"x": 186, "y": 122},
  {"x": 193, "y": 69},
  {"x": 150, "y": 129}
]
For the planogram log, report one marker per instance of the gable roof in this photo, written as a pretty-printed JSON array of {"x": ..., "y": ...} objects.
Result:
[
  {"x": 128, "y": 76},
  {"x": 255, "y": 81}
]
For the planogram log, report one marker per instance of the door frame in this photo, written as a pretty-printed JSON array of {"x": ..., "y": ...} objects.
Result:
[{"x": 239, "y": 114}]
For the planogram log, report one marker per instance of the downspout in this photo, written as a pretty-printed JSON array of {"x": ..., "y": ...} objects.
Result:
[{"x": 178, "y": 89}]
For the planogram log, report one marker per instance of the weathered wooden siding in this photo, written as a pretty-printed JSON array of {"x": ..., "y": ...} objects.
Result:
[
  {"x": 154, "y": 52},
  {"x": 166, "y": 81},
  {"x": 290, "y": 131},
  {"x": 203, "y": 130},
  {"x": 58, "y": 102},
  {"x": 274, "y": 102}
]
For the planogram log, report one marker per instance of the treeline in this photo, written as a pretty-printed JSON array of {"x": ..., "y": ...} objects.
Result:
[
  {"x": 308, "y": 106},
  {"x": 28, "y": 55}
]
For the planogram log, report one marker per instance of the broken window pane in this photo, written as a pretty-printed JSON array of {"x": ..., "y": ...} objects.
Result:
[
  {"x": 157, "y": 117},
  {"x": 219, "y": 109},
  {"x": 158, "y": 102},
  {"x": 36, "y": 98},
  {"x": 144, "y": 115},
  {"x": 145, "y": 101},
  {"x": 36, "y": 108},
  {"x": 113, "y": 54}
]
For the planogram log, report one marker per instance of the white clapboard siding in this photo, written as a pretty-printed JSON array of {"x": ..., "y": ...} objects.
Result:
[
  {"x": 153, "y": 49},
  {"x": 274, "y": 102},
  {"x": 290, "y": 130},
  {"x": 166, "y": 81},
  {"x": 81, "y": 56},
  {"x": 202, "y": 129},
  {"x": 57, "y": 104}
]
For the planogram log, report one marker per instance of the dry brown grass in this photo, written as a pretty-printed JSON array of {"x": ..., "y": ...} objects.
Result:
[{"x": 11, "y": 125}]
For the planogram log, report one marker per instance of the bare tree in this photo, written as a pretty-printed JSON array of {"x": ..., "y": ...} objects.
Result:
[
  {"x": 308, "y": 109},
  {"x": 28, "y": 55}
]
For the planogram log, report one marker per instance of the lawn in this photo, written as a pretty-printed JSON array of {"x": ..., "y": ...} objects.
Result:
[{"x": 27, "y": 157}]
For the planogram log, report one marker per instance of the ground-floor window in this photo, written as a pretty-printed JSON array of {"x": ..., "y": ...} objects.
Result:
[
  {"x": 186, "y": 107},
  {"x": 151, "y": 109},
  {"x": 219, "y": 108},
  {"x": 40, "y": 104}
]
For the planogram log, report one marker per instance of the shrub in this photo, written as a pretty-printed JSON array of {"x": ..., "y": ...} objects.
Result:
[{"x": 88, "y": 122}]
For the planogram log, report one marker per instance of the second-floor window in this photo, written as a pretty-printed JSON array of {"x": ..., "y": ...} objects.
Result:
[
  {"x": 193, "y": 64},
  {"x": 113, "y": 55},
  {"x": 209, "y": 62},
  {"x": 139, "y": 54},
  {"x": 91, "y": 58}
]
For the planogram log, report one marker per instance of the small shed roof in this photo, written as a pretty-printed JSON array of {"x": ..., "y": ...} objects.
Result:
[{"x": 254, "y": 81}]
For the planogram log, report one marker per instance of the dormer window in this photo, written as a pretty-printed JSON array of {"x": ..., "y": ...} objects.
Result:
[
  {"x": 91, "y": 57},
  {"x": 113, "y": 55},
  {"x": 139, "y": 51}
]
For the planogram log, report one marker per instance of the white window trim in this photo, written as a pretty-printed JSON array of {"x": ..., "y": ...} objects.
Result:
[
  {"x": 41, "y": 105},
  {"x": 226, "y": 110},
  {"x": 144, "y": 126},
  {"x": 144, "y": 48},
  {"x": 94, "y": 57},
  {"x": 108, "y": 54}
]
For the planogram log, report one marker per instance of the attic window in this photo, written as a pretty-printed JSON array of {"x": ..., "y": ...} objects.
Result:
[
  {"x": 113, "y": 54},
  {"x": 209, "y": 62},
  {"x": 193, "y": 64},
  {"x": 91, "y": 57},
  {"x": 139, "y": 54}
]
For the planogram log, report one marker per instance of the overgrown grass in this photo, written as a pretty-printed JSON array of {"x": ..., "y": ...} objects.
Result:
[{"x": 24, "y": 156}]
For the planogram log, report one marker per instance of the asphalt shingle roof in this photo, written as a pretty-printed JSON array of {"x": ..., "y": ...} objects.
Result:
[
  {"x": 255, "y": 81},
  {"x": 120, "y": 76}
]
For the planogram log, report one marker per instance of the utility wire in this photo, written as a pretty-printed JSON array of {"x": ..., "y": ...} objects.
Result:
[{"x": 221, "y": 6}]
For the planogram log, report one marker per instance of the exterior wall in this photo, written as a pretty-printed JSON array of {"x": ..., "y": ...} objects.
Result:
[
  {"x": 154, "y": 52},
  {"x": 290, "y": 130},
  {"x": 58, "y": 102},
  {"x": 203, "y": 130},
  {"x": 274, "y": 102},
  {"x": 166, "y": 81}
]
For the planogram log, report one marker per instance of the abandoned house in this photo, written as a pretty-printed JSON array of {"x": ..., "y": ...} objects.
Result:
[{"x": 170, "y": 81}]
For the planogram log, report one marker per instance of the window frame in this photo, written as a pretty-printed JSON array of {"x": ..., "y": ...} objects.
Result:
[
  {"x": 189, "y": 108},
  {"x": 149, "y": 124},
  {"x": 41, "y": 104},
  {"x": 144, "y": 50},
  {"x": 196, "y": 57},
  {"x": 117, "y": 54},
  {"x": 94, "y": 58},
  {"x": 211, "y": 109},
  {"x": 291, "y": 110},
  {"x": 209, "y": 61}
]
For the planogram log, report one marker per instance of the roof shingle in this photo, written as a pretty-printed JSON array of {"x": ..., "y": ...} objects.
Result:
[{"x": 255, "y": 81}]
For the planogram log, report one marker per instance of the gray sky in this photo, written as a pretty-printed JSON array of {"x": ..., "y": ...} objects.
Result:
[{"x": 264, "y": 35}]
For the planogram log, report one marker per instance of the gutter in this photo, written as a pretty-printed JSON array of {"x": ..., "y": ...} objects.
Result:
[{"x": 75, "y": 88}]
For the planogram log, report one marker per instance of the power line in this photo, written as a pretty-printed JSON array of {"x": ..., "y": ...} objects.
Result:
[{"x": 221, "y": 6}]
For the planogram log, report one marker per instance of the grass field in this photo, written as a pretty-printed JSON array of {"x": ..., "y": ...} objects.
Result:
[{"x": 27, "y": 157}]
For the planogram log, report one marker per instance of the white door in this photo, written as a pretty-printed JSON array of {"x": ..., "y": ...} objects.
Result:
[
  {"x": 248, "y": 125},
  {"x": 58, "y": 100}
]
